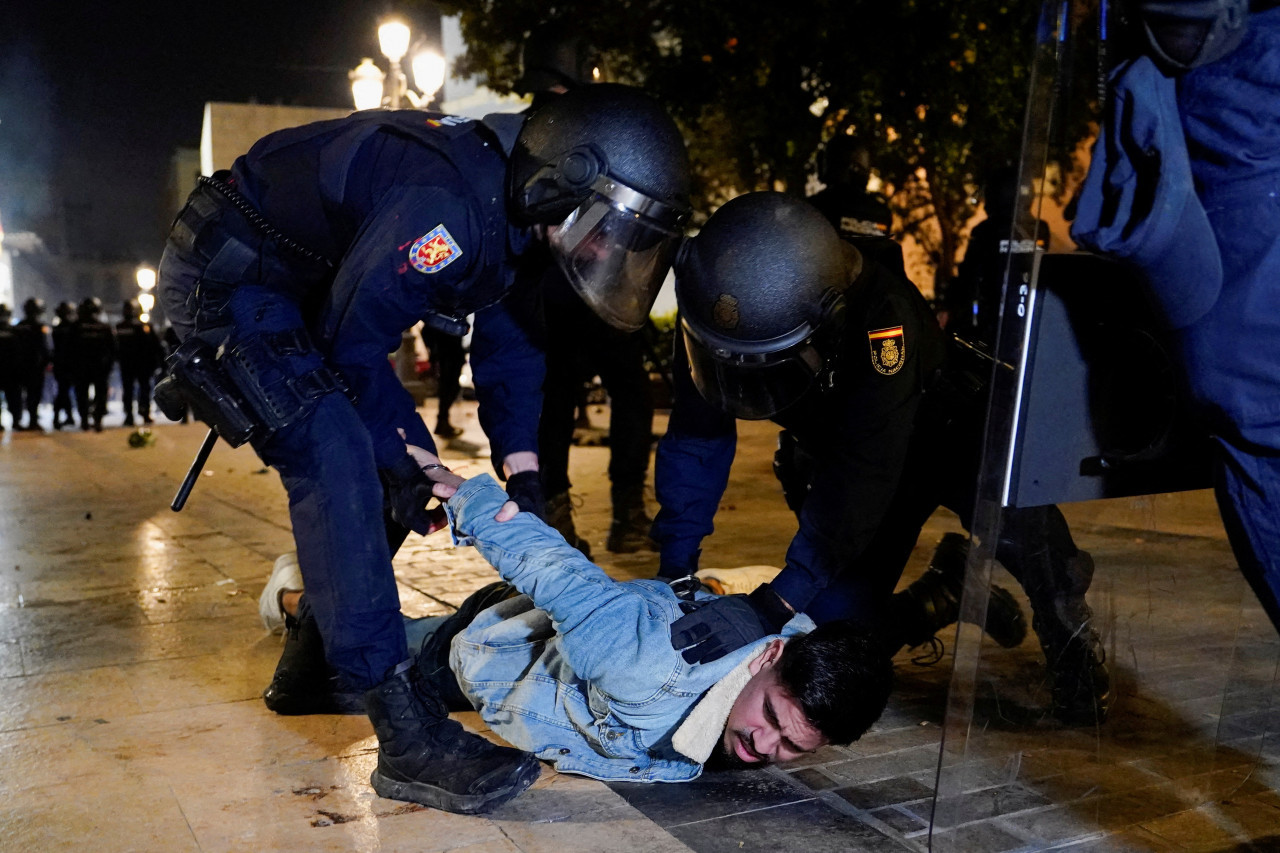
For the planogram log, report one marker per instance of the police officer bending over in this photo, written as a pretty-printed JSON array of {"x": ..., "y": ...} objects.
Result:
[
  {"x": 781, "y": 319},
  {"x": 301, "y": 267}
]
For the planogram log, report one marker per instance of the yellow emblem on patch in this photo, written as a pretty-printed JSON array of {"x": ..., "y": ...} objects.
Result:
[{"x": 888, "y": 349}]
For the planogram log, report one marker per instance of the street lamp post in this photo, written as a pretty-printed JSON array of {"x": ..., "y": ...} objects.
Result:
[
  {"x": 372, "y": 88},
  {"x": 146, "y": 277}
]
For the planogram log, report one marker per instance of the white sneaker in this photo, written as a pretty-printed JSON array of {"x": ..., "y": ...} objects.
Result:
[
  {"x": 742, "y": 580},
  {"x": 285, "y": 577}
]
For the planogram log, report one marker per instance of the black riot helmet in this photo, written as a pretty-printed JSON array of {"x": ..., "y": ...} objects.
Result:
[
  {"x": 90, "y": 308},
  {"x": 605, "y": 168},
  {"x": 1185, "y": 34},
  {"x": 555, "y": 57},
  {"x": 33, "y": 308},
  {"x": 129, "y": 309},
  {"x": 66, "y": 311},
  {"x": 845, "y": 161},
  {"x": 761, "y": 293}
]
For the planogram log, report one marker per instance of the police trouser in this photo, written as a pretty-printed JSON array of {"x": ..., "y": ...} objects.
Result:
[
  {"x": 220, "y": 282},
  {"x": 33, "y": 392},
  {"x": 448, "y": 359},
  {"x": 941, "y": 469},
  {"x": 93, "y": 407},
  {"x": 62, "y": 400},
  {"x": 579, "y": 346},
  {"x": 11, "y": 387},
  {"x": 131, "y": 378}
]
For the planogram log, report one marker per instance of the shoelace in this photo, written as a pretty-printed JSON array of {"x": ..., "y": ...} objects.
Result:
[{"x": 936, "y": 652}]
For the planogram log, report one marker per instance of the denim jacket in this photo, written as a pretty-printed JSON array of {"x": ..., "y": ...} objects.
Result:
[{"x": 579, "y": 670}]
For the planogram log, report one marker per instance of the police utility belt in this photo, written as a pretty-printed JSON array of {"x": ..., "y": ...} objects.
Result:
[
  {"x": 227, "y": 389},
  {"x": 245, "y": 392}
]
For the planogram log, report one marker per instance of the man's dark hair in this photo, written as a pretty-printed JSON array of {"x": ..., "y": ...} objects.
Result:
[{"x": 841, "y": 676}]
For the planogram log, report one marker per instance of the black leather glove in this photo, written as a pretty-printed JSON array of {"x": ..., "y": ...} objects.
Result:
[
  {"x": 525, "y": 488},
  {"x": 711, "y": 629},
  {"x": 408, "y": 491}
]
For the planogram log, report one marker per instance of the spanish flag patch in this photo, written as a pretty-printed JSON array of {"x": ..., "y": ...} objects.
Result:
[{"x": 888, "y": 349}]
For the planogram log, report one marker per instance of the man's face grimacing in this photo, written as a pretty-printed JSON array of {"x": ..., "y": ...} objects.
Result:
[{"x": 766, "y": 724}]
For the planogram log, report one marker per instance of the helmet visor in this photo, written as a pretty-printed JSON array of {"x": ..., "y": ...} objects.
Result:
[
  {"x": 615, "y": 249},
  {"x": 751, "y": 386}
]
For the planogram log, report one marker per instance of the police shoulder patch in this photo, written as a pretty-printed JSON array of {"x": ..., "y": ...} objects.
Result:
[
  {"x": 434, "y": 250},
  {"x": 888, "y": 349}
]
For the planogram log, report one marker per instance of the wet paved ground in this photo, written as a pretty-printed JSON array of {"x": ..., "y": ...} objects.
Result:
[{"x": 132, "y": 659}]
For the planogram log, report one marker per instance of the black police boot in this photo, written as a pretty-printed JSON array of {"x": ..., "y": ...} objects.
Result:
[
  {"x": 446, "y": 430},
  {"x": 935, "y": 599},
  {"x": 1073, "y": 651},
  {"x": 629, "y": 531},
  {"x": 1081, "y": 684},
  {"x": 425, "y": 757},
  {"x": 559, "y": 510},
  {"x": 303, "y": 682},
  {"x": 128, "y": 420}
]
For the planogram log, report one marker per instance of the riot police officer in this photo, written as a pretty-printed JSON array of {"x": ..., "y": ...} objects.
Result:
[
  {"x": 972, "y": 300},
  {"x": 859, "y": 216},
  {"x": 141, "y": 354},
  {"x": 780, "y": 319},
  {"x": 10, "y": 384},
  {"x": 301, "y": 267},
  {"x": 580, "y": 343},
  {"x": 93, "y": 348},
  {"x": 63, "y": 364},
  {"x": 33, "y": 358}
]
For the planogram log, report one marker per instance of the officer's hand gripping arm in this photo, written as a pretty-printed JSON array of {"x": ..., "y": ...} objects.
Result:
[{"x": 711, "y": 629}]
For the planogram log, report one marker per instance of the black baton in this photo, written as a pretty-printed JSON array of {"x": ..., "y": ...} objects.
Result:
[{"x": 202, "y": 456}]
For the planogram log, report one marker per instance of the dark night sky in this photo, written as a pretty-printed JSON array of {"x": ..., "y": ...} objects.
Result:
[{"x": 94, "y": 97}]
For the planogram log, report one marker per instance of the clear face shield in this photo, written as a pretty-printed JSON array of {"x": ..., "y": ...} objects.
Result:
[
  {"x": 754, "y": 384},
  {"x": 615, "y": 248}
]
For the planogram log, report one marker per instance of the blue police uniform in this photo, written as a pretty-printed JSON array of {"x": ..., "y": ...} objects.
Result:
[
  {"x": 1231, "y": 116},
  {"x": 306, "y": 262}
]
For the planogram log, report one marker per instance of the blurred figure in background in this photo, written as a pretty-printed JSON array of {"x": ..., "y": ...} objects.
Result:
[
  {"x": 141, "y": 355},
  {"x": 64, "y": 365},
  {"x": 93, "y": 348},
  {"x": 33, "y": 359},
  {"x": 447, "y": 360},
  {"x": 9, "y": 385},
  {"x": 971, "y": 304},
  {"x": 860, "y": 217}
]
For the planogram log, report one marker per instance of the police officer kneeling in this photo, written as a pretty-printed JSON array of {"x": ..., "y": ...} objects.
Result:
[
  {"x": 781, "y": 319},
  {"x": 292, "y": 276}
]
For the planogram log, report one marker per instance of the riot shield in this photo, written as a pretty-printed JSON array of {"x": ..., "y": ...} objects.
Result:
[{"x": 1136, "y": 715}]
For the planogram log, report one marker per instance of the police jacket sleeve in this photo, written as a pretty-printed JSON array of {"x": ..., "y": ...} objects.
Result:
[
  {"x": 863, "y": 451},
  {"x": 587, "y": 607},
  {"x": 691, "y": 471},
  {"x": 508, "y": 364}
]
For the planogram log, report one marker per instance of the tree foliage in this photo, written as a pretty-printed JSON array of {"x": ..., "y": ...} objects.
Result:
[{"x": 935, "y": 89}]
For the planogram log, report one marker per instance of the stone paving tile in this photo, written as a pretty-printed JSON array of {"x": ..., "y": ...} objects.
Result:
[
  {"x": 886, "y": 792},
  {"x": 901, "y": 820},
  {"x": 980, "y": 836},
  {"x": 709, "y": 796},
  {"x": 811, "y": 826},
  {"x": 979, "y": 805},
  {"x": 873, "y": 768},
  {"x": 813, "y": 778},
  {"x": 1130, "y": 841}
]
